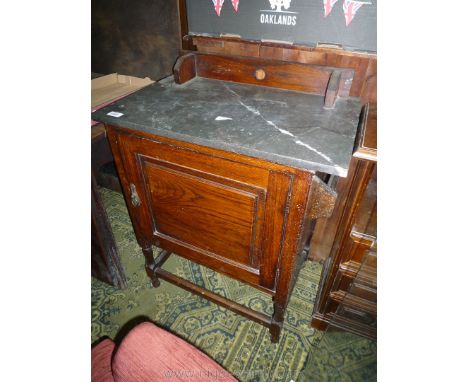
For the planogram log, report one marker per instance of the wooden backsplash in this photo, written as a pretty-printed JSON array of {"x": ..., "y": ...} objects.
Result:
[{"x": 364, "y": 65}]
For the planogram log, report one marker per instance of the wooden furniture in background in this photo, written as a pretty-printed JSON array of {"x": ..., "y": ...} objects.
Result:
[
  {"x": 349, "y": 277},
  {"x": 105, "y": 261}
]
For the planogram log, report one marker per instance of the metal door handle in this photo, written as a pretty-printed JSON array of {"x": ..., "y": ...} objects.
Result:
[{"x": 134, "y": 195}]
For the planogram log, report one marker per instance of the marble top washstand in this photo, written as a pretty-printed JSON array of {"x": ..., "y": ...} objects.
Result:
[{"x": 282, "y": 126}]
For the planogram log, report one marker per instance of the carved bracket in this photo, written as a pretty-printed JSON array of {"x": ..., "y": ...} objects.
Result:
[
  {"x": 323, "y": 200},
  {"x": 185, "y": 68},
  {"x": 339, "y": 85}
]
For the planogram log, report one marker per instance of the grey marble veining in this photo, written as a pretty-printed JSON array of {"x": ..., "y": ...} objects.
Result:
[{"x": 282, "y": 126}]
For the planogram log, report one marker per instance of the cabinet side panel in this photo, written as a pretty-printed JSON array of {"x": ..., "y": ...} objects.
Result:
[{"x": 278, "y": 197}]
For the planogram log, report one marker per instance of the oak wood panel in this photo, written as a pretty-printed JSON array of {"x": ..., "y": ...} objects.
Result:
[
  {"x": 181, "y": 155},
  {"x": 246, "y": 189},
  {"x": 144, "y": 219},
  {"x": 249, "y": 50},
  {"x": 254, "y": 171},
  {"x": 129, "y": 173},
  {"x": 217, "y": 46},
  {"x": 282, "y": 75},
  {"x": 213, "y": 261},
  {"x": 279, "y": 192},
  {"x": 270, "y": 204},
  {"x": 287, "y": 270},
  {"x": 363, "y": 64},
  {"x": 185, "y": 68},
  {"x": 208, "y": 215},
  {"x": 265, "y": 241}
]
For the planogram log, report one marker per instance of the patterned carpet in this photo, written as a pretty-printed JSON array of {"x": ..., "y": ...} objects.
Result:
[
  {"x": 341, "y": 357},
  {"x": 243, "y": 347}
]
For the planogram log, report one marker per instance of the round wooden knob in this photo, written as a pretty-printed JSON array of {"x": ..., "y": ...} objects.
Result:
[{"x": 260, "y": 74}]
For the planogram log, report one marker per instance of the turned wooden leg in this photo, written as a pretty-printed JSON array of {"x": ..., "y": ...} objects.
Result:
[
  {"x": 150, "y": 265},
  {"x": 277, "y": 321},
  {"x": 275, "y": 330}
]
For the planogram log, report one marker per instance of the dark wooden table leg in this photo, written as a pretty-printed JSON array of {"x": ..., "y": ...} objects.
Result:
[
  {"x": 277, "y": 320},
  {"x": 275, "y": 330},
  {"x": 150, "y": 265}
]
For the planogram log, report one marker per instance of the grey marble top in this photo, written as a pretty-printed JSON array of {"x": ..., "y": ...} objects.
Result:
[{"x": 282, "y": 126}]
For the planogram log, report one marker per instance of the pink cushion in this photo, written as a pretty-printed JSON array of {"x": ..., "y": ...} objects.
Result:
[
  {"x": 101, "y": 356},
  {"x": 149, "y": 353}
]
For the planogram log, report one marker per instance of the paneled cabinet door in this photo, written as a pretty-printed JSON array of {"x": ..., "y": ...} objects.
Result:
[{"x": 224, "y": 214}]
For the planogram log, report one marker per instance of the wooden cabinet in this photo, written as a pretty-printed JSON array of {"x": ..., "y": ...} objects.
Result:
[
  {"x": 347, "y": 296},
  {"x": 208, "y": 207},
  {"x": 243, "y": 217},
  {"x": 224, "y": 172}
]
